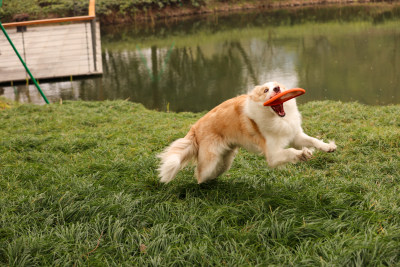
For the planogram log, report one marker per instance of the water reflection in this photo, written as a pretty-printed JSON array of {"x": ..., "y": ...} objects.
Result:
[
  {"x": 346, "y": 54},
  {"x": 196, "y": 78}
]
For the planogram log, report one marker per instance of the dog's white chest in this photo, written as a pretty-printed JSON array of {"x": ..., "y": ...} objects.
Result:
[{"x": 272, "y": 125}]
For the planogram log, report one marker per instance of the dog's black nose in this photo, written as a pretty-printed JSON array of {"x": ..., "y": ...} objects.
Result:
[{"x": 277, "y": 89}]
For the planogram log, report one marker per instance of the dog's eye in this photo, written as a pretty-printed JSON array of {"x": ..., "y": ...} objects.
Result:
[{"x": 266, "y": 90}]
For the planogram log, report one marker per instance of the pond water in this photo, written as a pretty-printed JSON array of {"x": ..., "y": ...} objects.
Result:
[{"x": 337, "y": 53}]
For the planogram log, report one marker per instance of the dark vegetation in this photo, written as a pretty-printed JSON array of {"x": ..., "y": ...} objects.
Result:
[
  {"x": 114, "y": 11},
  {"x": 62, "y": 8}
]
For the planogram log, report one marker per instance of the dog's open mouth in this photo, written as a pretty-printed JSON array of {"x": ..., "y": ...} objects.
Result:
[{"x": 279, "y": 110}]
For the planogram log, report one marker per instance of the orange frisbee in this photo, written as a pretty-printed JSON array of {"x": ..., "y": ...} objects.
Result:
[{"x": 284, "y": 96}]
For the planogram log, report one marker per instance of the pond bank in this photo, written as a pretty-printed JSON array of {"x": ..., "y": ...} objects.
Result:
[
  {"x": 187, "y": 11},
  {"x": 128, "y": 12}
]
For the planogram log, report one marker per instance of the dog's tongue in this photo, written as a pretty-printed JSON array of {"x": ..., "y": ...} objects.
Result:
[{"x": 279, "y": 110}]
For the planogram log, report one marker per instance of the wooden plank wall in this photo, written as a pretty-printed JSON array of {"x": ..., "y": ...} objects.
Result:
[{"x": 51, "y": 51}]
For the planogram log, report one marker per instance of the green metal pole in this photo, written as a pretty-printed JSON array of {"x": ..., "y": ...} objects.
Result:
[{"x": 23, "y": 63}]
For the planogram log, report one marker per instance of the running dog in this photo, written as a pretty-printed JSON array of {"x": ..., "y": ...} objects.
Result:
[{"x": 243, "y": 121}]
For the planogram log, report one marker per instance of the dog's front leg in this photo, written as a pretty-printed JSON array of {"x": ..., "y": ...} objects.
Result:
[
  {"x": 303, "y": 140},
  {"x": 277, "y": 155}
]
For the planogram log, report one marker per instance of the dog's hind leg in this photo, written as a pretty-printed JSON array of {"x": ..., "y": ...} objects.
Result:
[
  {"x": 212, "y": 161},
  {"x": 227, "y": 159},
  {"x": 208, "y": 166}
]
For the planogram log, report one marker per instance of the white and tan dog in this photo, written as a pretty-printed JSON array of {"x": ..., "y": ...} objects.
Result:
[{"x": 242, "y": 121}]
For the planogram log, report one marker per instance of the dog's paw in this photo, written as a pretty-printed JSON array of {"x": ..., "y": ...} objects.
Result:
[
  {"x": 306, "y": 154},
  {"x": 331, "y": 147}
]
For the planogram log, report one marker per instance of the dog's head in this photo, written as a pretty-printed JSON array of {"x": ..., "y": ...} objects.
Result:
[{"x": 262, "y": 93}]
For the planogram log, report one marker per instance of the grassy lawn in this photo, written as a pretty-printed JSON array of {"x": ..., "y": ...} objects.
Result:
[{"x": 78, "y": 186}]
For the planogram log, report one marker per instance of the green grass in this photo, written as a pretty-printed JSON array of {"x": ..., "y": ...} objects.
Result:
[{"x": 78, "y": 186}]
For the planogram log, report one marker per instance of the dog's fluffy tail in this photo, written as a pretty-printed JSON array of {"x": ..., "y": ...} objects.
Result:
[{"x": 176, "y": 156}]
